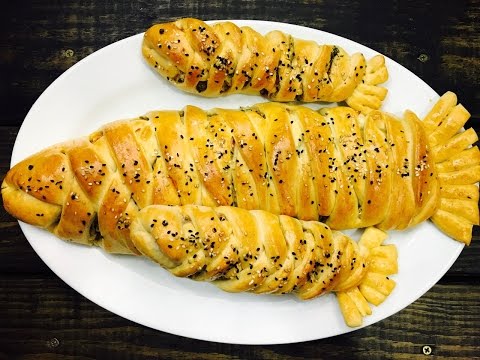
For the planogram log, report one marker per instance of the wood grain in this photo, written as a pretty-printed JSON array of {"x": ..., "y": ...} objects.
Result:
[
  {"x": 41, "y": 310},
  {"x": 35, "y": 40},
  {"x": 40, "y": 39}
]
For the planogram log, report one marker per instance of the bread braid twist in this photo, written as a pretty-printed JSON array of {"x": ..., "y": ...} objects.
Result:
[{"x": 247, "y": 250}]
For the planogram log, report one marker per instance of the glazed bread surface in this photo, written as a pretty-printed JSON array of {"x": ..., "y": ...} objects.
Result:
[
  {"x": 334, "y": 165},
  {"x": 257, "y": 251},
  {"x": 223, "y": 58}
]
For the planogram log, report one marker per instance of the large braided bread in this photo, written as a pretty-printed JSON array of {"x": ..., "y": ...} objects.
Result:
[
  {"x": 219, "y": 59},
  {"x": 348, "y": 170}
]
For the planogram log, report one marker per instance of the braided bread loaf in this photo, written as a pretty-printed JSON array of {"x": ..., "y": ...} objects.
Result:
[
  {"x": 240, "y": 250},
  {"x": 224, "y": 59},
  {"x": 349, "y": 170}
]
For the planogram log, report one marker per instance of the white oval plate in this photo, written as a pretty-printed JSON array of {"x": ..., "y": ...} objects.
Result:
[{"x": 115, "y": 83}]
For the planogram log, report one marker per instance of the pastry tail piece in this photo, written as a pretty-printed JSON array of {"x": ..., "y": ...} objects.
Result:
[
  {"x": 257, "y": 251},
  {"x": 457, "y": 162},
  {"x": 369, "y": 95},
  {"x": 219, "y": 59},
  {"x": 373, "y": 285}
]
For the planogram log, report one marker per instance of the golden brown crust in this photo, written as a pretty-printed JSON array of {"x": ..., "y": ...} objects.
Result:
[
  {"x": 378, "y": 180},
  {"x": 220, "y": 59},
  {"x": 458, "y": 164},
  {"x": 285, "y": 159},
  {"x": 402, "y": 209},
  {"x": 256, "y": 251},
  {"x": 349, "y": 170}
]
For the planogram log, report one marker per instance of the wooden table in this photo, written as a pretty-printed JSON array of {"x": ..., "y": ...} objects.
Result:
[{"x": 42, "y": 318}]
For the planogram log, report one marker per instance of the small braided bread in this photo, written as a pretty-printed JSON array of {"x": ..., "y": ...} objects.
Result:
[
  {"x": 256, "y": 251},
  {"x": 220, "y": 59}
]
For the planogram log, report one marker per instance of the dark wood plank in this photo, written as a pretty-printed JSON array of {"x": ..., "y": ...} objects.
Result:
[
  {"x": 45, "y": 38},
  {"x": 39, "y": 316},
  {"x": 8, "y": 134},
  {"x": 39, "y": 39}
]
